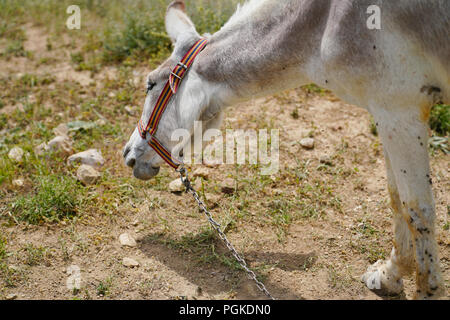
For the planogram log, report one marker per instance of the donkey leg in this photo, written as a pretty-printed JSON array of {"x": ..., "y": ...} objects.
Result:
[
  {"x": 405, "y": 137},
  {"x": 385, "y": 277}
]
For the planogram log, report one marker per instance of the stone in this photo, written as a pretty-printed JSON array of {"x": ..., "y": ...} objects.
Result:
[
  {"x": 100, "y": 122},
  {"x": 14, "y": 268},
  {"x": 16, "y": 154},
  {"x": 61, "y": 144},
  {"x": 212, "y": 163},
  {"x": 201, "y": 172},
  {"x": 91, "y": 157},
  {"x": 228, "y": 186},
  {"x": 131, "y": 263},
  {"x": 87, "y": 174},
  {"x": 307, "y": 143},
  {"x": 126, "y": 240},
  {"x": 129, "y": 110},
  {"x": 61, "y": 130},
  {"x": 11, "y": 296},
  {"x": 176, "y": 186},
  {"x": 41, "y": 149},
  {"x": 326, "y": 160},
  {"x": 212, "y": 200},
  {"x": 18, "y": 183}
]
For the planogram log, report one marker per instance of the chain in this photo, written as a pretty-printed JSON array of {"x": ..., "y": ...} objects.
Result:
[{"x": 216, "y": 226}]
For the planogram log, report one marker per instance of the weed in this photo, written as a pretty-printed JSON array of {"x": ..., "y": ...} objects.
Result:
[
  {"x": 2, "y": 248},
  {"x": 55, "y": 198},
  {"x": 440, "y": 119},
  {"x": 104, "y": 287},
  {"x": 35, "y": 255}
]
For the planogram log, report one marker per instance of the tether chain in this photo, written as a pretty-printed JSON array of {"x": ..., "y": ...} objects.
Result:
[{"x": 216, "y": 226}]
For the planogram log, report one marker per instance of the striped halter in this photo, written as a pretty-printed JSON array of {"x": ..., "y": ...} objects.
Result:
[{"x": 169, "y": 90}]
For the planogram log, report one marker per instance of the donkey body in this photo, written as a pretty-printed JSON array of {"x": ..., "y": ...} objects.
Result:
[{"x": 397, "y": 73}]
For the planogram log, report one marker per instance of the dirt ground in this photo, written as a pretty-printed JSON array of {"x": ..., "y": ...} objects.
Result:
[{"x": 321, "y": 254}]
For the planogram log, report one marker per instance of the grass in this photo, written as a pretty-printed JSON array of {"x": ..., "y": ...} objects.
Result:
[
  {"x": 104, "y": 287},
  {"x": 3, "y": 252},
  {"x": 35, "y": 255},
  {"x": 440, "y": 119},
  {"x": 201, "y": 247},
  {"x": 54, "y": 199}
]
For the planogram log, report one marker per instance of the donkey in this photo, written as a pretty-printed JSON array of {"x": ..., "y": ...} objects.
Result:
[{"x": 396, "y": 72}]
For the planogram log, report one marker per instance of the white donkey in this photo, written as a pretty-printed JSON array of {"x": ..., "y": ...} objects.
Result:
[{"x": 396, "y": 72}]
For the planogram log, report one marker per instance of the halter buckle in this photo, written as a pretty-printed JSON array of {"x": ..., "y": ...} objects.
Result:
[
  {"x": 175, "y": 75},
  {"x": 182, "y": 65}
]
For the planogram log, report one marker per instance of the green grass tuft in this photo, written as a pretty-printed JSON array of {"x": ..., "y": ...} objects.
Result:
[
  {"x": 440, "y": 119},
  {"x": 55, "y": 198}
]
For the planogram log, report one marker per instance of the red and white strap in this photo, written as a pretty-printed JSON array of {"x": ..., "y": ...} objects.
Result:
[{"x": 171, "y": 87}]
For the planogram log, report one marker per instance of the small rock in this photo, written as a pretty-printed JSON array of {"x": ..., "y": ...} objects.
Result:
[
  {"x": 277, "y": 192},
  {"x": 87, "y": 174},
  {"x": 60, "y": 144},
  {"x": 100, "y": 122},
  {"x": 201, "y": 172},
  {"x": 326, "y": 160},
  {"x": 176, "y": 186},
  {"x": 18, "y": 183},
  {"x": 129, "y": 110},
  {"x": 126, "y": 240},
  {"x": 16, "y": 154},
  {"x": 228, "y": 186},
  {"x": 61, "y": 130},
  {"x": 212, "y": 163},
  {"x": 212, "y": 200},
  {"x": 131, "y": 263},
  {"x": 307, "y": 143},
  {"x": 91, "y": 157},
  {"x": 11, "y": 296},
  {"x": 14, "y": 268},
  {"x": 41, "y": 149}
]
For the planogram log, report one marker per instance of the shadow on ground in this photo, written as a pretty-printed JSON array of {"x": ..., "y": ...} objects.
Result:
[{"x": 204, "y": 261}]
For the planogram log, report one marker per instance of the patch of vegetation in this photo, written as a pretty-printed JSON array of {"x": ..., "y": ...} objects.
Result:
[
  {"x": 200, "y": 246},
  {"x": 104, "y": 287},
  {"x": 339, "y": 279},
  {"x": 55, "y": 198},
  {"x": 2, "y": 248},
  {"x": 313, "y": 88},
  {"x": 373, "y": 127},
  {"x": 440, "y": 119},
  {"x": 15, "y": 48},
  {"x": 34, "y": 255}
]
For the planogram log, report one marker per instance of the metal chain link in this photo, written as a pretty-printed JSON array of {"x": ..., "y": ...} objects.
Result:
[{"x": 216, "y": 226}]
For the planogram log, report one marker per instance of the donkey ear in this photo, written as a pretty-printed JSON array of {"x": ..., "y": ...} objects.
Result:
[{"x": 177, "y": 22}]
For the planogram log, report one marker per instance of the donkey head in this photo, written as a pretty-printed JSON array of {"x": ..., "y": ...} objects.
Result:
[{"x": 183, "y": 109}]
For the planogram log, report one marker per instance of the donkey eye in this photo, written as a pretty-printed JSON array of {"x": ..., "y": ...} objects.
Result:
[{"x": 150, "y": 86}]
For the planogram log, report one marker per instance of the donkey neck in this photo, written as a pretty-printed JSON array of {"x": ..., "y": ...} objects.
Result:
[{"x": 262, "y": 49}]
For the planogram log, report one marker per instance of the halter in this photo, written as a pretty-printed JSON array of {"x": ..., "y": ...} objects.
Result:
[{"x": 171, "y": 88}]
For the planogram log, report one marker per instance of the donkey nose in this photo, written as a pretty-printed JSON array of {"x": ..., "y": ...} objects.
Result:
[{"x": 131, "y": 162}]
